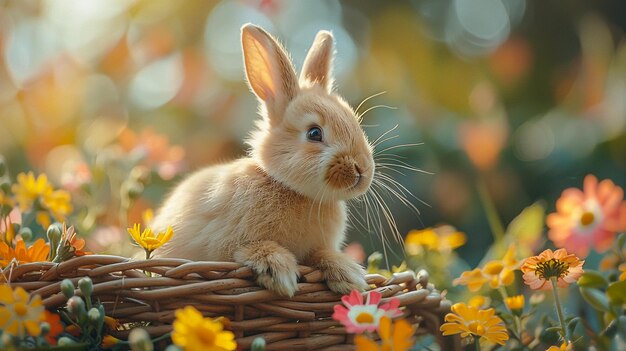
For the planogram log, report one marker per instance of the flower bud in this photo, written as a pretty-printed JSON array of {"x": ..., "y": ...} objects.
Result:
[
  {"x": 54, "y": 233},
  {"x": 26, "y": 233},
  {"x": 133, "y": 189},
  {"x": 5, "y": 187},
  {"x": 374, "y": 261},
  {"x": 86, "y": 287},
  {"x": 94, "y": 315},
  {"x": 16, "y": 227},
  {"x": 139, "y": 340},
  {"x": 258, "y": 344},
  {"x": 140, "y": 174},
  {"x": 45, "y": 328},
  {"x": 65, "y": 341},
  {"x": 76, "y": 306},
  {"x": 67, "y": 287}
]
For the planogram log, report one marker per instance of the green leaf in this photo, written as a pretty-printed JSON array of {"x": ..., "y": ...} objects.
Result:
[
  {"x": 528, "y": 225},
  {"x": 571, "y": 325},
  {"x": 617, "y": 293},
  {"x": 596, "y": 298},
  {"x": 523, "y": 231},
  {"x": 592, "y": 279}
]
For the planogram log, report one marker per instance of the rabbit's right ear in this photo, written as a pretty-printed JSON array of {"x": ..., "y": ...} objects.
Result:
[{"x": 270, "y": 73}]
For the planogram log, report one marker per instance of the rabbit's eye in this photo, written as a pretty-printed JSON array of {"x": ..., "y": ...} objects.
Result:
[{"x": 314, "y": 134}]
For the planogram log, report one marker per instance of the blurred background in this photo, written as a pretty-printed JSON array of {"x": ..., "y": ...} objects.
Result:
[{"x": 511, "y": 100}]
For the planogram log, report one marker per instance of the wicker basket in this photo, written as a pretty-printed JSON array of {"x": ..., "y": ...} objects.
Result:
[{"x": 227, "y": 289}]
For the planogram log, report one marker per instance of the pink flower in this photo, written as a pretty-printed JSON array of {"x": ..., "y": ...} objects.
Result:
[
  {"x": 590, "y": 217},
  {"x": 359, "y": 317}
]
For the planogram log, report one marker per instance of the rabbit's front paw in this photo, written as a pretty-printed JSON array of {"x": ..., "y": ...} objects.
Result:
[
  {"x": 342, "y": 274},
  {"x": 276, "y": 268}
]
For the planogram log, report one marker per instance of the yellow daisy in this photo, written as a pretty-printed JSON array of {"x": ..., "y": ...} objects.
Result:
[
  {"x": 470, "y": 321},
  {"x": 19, "y": 313},
  {"x": 193, "y": 332},
  {"x": 148, "y": 240}
]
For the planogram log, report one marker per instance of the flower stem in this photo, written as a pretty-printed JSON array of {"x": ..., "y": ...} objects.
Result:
[
  {"x": 497, "y": 229},
  {"x": 559, "y": 309},
  {"x": 148, "y": 252},
  {"x": 477, "y": 344},
  {"x": 503, "y": 293}
]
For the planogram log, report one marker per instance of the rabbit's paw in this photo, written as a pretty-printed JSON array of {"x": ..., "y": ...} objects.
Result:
[
  {"x": 342, "y": 274},
  {"x": 276, "y": 268}
]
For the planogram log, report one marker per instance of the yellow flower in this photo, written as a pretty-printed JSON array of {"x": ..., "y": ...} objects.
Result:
[
  {"x": 58, "y": 202},
  {"x": 501, "y": 272},
  {"x": 20, "y": 314},
  {"x": 479, "y": 301},
  {"x": 146, "y": 216},
  {"x": 564, "y": 347},
  {"x": 468, "y": 321},
  {"x": 193, "y": 332},
  {"x": 396, "y": 336},
  {"x": 497, "y": 273},
  {"x": 538, "y": 270},
  {"x": 515, "y": 304},
  {"x": 474, "y": 279},
  {"x": 37, "y": 252},
  {"x": 147, "y": 239},
  {"x": 622, "y": 268},
  {"x": 29, "y": 189},
  {"x": 443, "y": 238}
]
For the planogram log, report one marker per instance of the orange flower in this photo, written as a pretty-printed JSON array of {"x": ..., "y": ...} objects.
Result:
[
  {"x": 35, "y": 253},
  {"x": 396, "y": 336},
  {"x": 622, "y": 268},
  {"x": 70, "y": 245},
  {"x": 109, "y": 342},
  {"x": 156, "y": 148},
  {"x": 538, "y": 270},
  {"x": 56, "y": 328},
  {"x": 590, "y": 217}
]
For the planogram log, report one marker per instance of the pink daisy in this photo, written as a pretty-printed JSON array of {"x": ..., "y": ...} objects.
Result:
[
  {"x": 359, "y": 317},
  {"x": 588, "y": 218}
]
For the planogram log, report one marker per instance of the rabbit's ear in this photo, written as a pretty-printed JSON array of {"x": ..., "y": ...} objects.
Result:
[
  {"x": 269, "y": 70},
  {"x": 317, "y": 67}
]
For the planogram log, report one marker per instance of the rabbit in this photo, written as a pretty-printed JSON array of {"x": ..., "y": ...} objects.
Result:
[{"x": 285, "y": 203}]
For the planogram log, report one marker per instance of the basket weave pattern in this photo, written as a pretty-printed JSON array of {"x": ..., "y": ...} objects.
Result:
[{"x": 226, "y": 289}]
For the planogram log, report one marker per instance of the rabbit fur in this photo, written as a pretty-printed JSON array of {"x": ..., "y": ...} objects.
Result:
[{"x": 284, "y": 203}]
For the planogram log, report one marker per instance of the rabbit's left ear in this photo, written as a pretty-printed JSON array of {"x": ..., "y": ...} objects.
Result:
[{"x": 317, "y": 67}]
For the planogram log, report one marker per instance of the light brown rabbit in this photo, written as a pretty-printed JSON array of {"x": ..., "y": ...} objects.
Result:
[{"x": 284, "y": 204}]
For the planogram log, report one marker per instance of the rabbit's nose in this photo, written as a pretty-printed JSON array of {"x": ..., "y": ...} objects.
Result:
[{"x": 358, "y": 171}]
